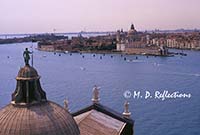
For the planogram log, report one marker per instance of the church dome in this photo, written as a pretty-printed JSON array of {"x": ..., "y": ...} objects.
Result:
[
  {"x": 30, "y": 113},
  {"x": 132, "y": 30},
  {"x": 46, "y": 118}
]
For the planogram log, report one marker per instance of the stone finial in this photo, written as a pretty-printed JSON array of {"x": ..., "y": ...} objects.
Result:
[
  {"x": 66, "y": 104},
  {"x": 95, "y": 98},
  {"x": 126, "y": 112}
]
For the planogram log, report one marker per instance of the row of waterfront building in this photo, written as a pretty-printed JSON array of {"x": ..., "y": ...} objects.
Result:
[
  {"x": 179, "y": 41},
  {"x": 130, "y": 42},
  {"x": 155, "y": 43}
]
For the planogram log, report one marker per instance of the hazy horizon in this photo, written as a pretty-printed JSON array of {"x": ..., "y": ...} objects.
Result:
[{"x": 36, "y": 16}]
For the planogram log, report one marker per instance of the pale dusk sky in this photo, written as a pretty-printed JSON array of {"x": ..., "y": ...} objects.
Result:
[{"x": 40, "y": 16}]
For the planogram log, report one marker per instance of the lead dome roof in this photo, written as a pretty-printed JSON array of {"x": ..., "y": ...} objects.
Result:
[
  {"x": 46, "y": 118},
  {"x": 30, "y": 113}
]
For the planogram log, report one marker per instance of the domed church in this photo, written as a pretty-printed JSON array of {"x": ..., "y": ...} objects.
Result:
[
  {"x": 30, "y": 113},
  {"x": 132, "y": 30}
]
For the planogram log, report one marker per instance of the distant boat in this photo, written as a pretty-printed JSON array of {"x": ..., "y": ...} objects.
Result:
[
  {"x": 183, "y": 54},
  {"x": 44, "y": 56},
  {"x": 66, "y": 51}
]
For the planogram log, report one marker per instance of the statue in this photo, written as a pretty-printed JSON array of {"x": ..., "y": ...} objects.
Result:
[
  {"x": 126, "y": 112},
  {"x": 95, "y": 97},
  {"x": 26, "y": 56},
  {"x": 66, "y": 104}
]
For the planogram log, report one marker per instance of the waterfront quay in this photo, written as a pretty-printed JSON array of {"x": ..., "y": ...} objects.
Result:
[{"x": 125, "y": 42}]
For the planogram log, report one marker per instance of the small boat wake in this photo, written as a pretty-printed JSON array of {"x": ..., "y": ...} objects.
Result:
[
  {"x": 197, "y": 75},
  {"x": 156, "y": 64},
  {"x": 82, "y": 68},
  {"x": 185, "y": 74},
  {"x": 135, "y": 61},
  {"x": 188, "y": 74}
]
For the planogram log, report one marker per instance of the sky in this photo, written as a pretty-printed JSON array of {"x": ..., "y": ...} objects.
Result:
[{"x": 42, "y": 16}]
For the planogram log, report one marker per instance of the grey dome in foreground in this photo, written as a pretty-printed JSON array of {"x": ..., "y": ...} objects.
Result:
[
  {"x": 30, "y": 113},
  {"x": 39, "y": 119}
]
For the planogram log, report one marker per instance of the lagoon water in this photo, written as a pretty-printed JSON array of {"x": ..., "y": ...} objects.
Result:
[{"x": 73, "y": 77}]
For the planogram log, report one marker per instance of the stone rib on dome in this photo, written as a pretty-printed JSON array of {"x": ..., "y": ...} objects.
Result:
[{"x": 39, "y": 119}]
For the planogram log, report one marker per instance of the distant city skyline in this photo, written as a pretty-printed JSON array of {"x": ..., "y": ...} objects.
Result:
[{"x": 42, "y": 16}]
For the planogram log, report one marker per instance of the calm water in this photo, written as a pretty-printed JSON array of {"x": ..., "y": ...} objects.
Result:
[{"x": 62, "y": 77}]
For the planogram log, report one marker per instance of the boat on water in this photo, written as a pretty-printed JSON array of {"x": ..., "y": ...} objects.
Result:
[{"x": 183, "y": 54}]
